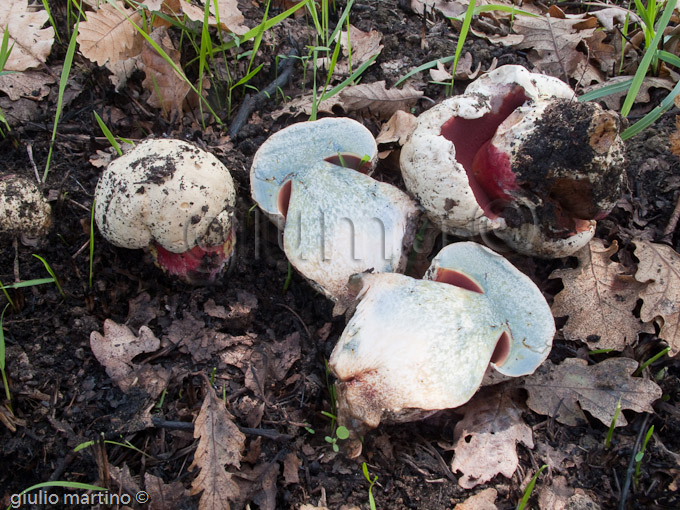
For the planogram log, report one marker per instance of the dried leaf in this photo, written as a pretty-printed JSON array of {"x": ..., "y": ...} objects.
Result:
[
  {"x": 164, "y": 495},
  {"x": 398, "y": 128},
  {"x": 613, "y": 101},
  {"x": 115, "y": 350},
  {"x": 485, "y": 500},
  {"x": 557, "y": 390},
  {"x": 599, "y": 299},
  {"x": 375, "y": 98},
  {"x": 615, "y": 15},
  {"x": 230, "y": 16},
  {"x": 108, "y": 35},
  {"x": 220, "y": 443},
  {"x": 167, "y": 89},
  {"x": 291, "y": 464},
  {"x": 362, "y": 45},
  {"x": 674, "y": 137},
  {"x": 659, "y": 266},
  {"x": 485, "y": 438},
  {"x": 32, "y": 44},
  {"x": 30, "y": 84}
]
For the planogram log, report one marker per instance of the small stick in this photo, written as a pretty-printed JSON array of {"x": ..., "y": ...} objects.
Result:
[
  {"x": 29, "y": 149},
  {"x": 631, "y": 464},
  {"x": 672, "y": 222},
  {"x": 189, "y": 427}
]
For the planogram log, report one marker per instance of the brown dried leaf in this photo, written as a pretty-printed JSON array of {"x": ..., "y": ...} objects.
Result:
[
  {"x": 30, "y": 84},
  {"x": 220, "y": 443},
  {"x": 108, "y": 35},
  {"x": 398, "y": 128},
  {"x": 230, "y": 16},
  {"x": 32, "y": 44},
  {"x": 115, "y": 350},
  {"x": 379, "y": 101},
  {"x": 164, "y": 495},
  {"x": 485, "y": 500},
  {"x": 659, "y": 267},
  {"x": 167, "y": 89},
  {"x": 557, "y": 390},
  {"x": 674, "y": 137},
  {"x": 363, "y": 46},
  {"x": 599, "y": 299},
  {"x": 485, "y": 438},
  {"x": 613, "y": 101},
  {"x": 291, "y": 464}
]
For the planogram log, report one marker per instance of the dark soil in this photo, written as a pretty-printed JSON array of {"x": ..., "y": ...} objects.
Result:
[{"x": 62, "y": 396}]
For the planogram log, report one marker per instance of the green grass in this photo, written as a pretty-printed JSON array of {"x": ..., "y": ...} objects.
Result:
[
  {"x": 529, "y": 489},
  {"x": 371, "y": 482},
  {"x": 54, "y": 278},
  {"x": 5, "y": 51}
]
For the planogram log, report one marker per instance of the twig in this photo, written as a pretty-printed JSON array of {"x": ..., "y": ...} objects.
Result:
[
  {"x": 557, "y": 49},
  {"x": 297, "y": 316},
  {"x": 631, "y": 464},
  {"x": 250, "y": 103},
  {"x": 672, "y": 222},
  {"x": 189, "y": 427},
  {"x": 29, "y": 150}
]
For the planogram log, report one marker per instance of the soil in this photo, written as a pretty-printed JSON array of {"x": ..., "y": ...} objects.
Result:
[{"x": 62, "y": 396}]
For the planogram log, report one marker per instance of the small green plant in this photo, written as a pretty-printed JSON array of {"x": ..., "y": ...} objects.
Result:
[
  {"x": 612, "y": 425},
  {"x": 530, "y": 488},
  {"x": 640, "y": 455},
  {"x": 5, "y": 51},
  {"x": 91, "y": 243},
  {"x": 371, "y": 483},
  {"x": 651, "y": 360},
  {"x": 108, "y": 134},
  {"x": 52, "y": 274},
  {"x": 341, "y": 433}
]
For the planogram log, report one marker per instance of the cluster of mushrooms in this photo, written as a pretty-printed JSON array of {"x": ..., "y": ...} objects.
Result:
[{"x": 515, "y": 157}]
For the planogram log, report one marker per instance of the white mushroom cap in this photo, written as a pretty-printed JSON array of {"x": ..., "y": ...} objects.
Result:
[
  {"x": 168, "y": 192},
  {"x": 411, "y": 345},
  {"x": 513, "y": 296},
  {"x": 508, "y": 141},
  {"x": 303, "y": 145},
  {"x": 340, "y": 222},
  {"x": 23, "y": 208}
]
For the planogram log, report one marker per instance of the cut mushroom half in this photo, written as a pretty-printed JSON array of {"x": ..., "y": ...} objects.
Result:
[
  {"x": 513, "y": 140},
  {"x": 310, "y": 179}
]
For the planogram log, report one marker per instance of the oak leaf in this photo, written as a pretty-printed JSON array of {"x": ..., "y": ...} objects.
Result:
[
  {"x": 378, "y": 100},
  {"x": 599, "y": 299},
  {"x": 564, "y": 391},
  {"x": 220, "y": 443},
  {"x": 659, "y": 267},
  {"x": 230, "y": 16},
  {"x": 357, "y": 43},
  {"x": 164, "y": 495},
  {"x": 31, "y": 43},
  {"x": 167, "y": 88},
  {"x": 485, "y": 438},
  {"x": 398, "y": 128},
  {"x": 115, "y": 350},
  {"x": 30, "y": 84},
  {"x": 108, "y": 35}
]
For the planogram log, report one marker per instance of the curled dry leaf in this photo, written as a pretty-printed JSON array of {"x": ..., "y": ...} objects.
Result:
[
  {"x": 659, "y": 267},
  {"x": 108, "y": 35},
  {"x": 378, "y": 100},
  {"x": 485, "y": 438},
  {"x": 167, "y": 89},
  {"x": 115, "y": 350},
  {"x": 398, "y": 128},
  {"x": 31, "y": 44},
  {"x": 164, "y": 495},
  {"x": 599, "y": 299},
  {"x": 564, "y": 391},
  {"x": 220, "y": 443}
]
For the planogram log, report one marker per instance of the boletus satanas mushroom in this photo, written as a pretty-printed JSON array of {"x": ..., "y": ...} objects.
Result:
[
  {"x": 173, "y": 199},
  {"x": 414, "y": 347},
  {"x": 518, "y": 155},
  {"x": 310, "y": 179},
  {"x": 24, "y": 211}
]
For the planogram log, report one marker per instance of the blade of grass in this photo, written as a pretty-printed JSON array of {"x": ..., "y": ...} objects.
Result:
[
  {"x": 349, "y": 80},
  {"x": 613, "y": 88},
  {"x": 91, "y": 245},
  {"x": 647, "y": 58},
  {"x": 52, "y": 274},
  {"x": 65, "y": 71},
  {"x": 9, "y": 299},
  {"x": 424, "y": 67},
  {"x": 2, "y": 357},
  {"x": 461, "y": 39},
  {"x": 107, "y": 133},
  {"x": 29, "y": 283},
  {"x": 653, "y": 115}
]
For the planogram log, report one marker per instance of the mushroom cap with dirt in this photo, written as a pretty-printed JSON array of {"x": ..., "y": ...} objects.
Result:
[
  {"x": 413, "y": 346},
  {"x": 517, "y": 155},
  {"x": 174, "y": 199},
  {"x": 336, "y": 220},
  {"x": 24, "y": 211}
]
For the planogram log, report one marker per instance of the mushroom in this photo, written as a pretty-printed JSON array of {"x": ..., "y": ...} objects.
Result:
[
  {"x": 516, "y": 155},
  {"x": 413, "y": 346},
  {"x": 24, "y": 211},
  {"x": 336, "y": 220},
  {"x": 174, "y": 199}
]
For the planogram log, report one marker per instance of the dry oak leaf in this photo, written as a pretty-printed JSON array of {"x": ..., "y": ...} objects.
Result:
[
  {"x": 115, "y": 350},
  {"x": 363, "y": 46},
  {"x": 398, "y": 128},
  {"x": 557, "y": 390},
  {"x": 164, "y": 495},
  {"x": 108, "y": 34},
  {"x": 486, "y": 436},
  {"x": 30, "y": 84},
  {"x": 599, "y": 299},
  {"x": 167, "y": 88},
  {"x": 31, "y": 43},
  {"x": 485, "y": 500},
  {"x": 613, "y": 101},
  {"x": 230, "y": 16},
  {"x": 375, "y": 98},
  {"x": 659, "y": 267},
  {"x": 220, "y": 443}
]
